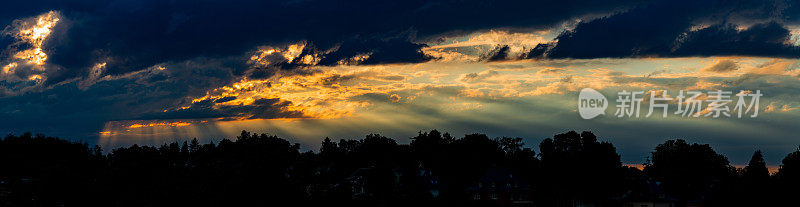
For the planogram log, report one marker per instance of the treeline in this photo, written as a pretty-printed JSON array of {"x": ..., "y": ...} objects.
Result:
[{"x": 435, "y": 169}]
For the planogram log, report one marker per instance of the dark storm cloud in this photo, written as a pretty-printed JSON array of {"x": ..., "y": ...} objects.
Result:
[
  {"x": 500, "y": 52},
  {"x": 394, "y": 50},
  {"x": 131, "y": 35},
  {"x": 225, "y": 99},
  {"x": 766, "y": 40},
  {"x": 665, "y": 29},
  {"x": 70, "y": 111}
]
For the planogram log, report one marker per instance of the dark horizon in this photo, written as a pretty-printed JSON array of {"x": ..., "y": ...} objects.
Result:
[
  {"x": 435, "y": 169},
  {"x": 772, "y": 158}
]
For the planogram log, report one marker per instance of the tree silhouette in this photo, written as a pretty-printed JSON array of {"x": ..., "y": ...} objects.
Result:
[
  {"x": 688, "y": 171},
  {"x": 756, "y": 170},
  {"x": 434, "y": 169},
  {"x": 580, "y": 168},
  {"x": 755, "y": 182},
  {"x": 790, "y": 168},
  {"x": 789, "y": 177}
]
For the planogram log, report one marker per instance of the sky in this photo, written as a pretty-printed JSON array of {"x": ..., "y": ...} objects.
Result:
[{"x": 120, "y": 72}]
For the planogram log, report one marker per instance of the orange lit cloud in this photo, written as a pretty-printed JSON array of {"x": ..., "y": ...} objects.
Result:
[
  {"x": 34, "y": 31},
  {"x": 470, "y": 47},
  {"x": 331, "y": 92},
  {"x": 23, "y": 63},
  {"x": 129, "y": 127},
  {"x": 173, "y": 124}
]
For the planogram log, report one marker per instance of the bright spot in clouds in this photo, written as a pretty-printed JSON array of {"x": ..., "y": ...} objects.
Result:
[{"x": 34, "y": 31}]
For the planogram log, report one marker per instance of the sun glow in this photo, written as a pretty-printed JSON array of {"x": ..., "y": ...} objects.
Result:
[
  {"x": 35, "y": 33},
  {"x": 266, "y": 55},
  {"x": 146, "y": 126},
  {"x": 308, "y": 95},
  {"x": 35, "y": 77},
  {"x": 9, "y": 68},
  {"x": 173, "y": 124}
]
